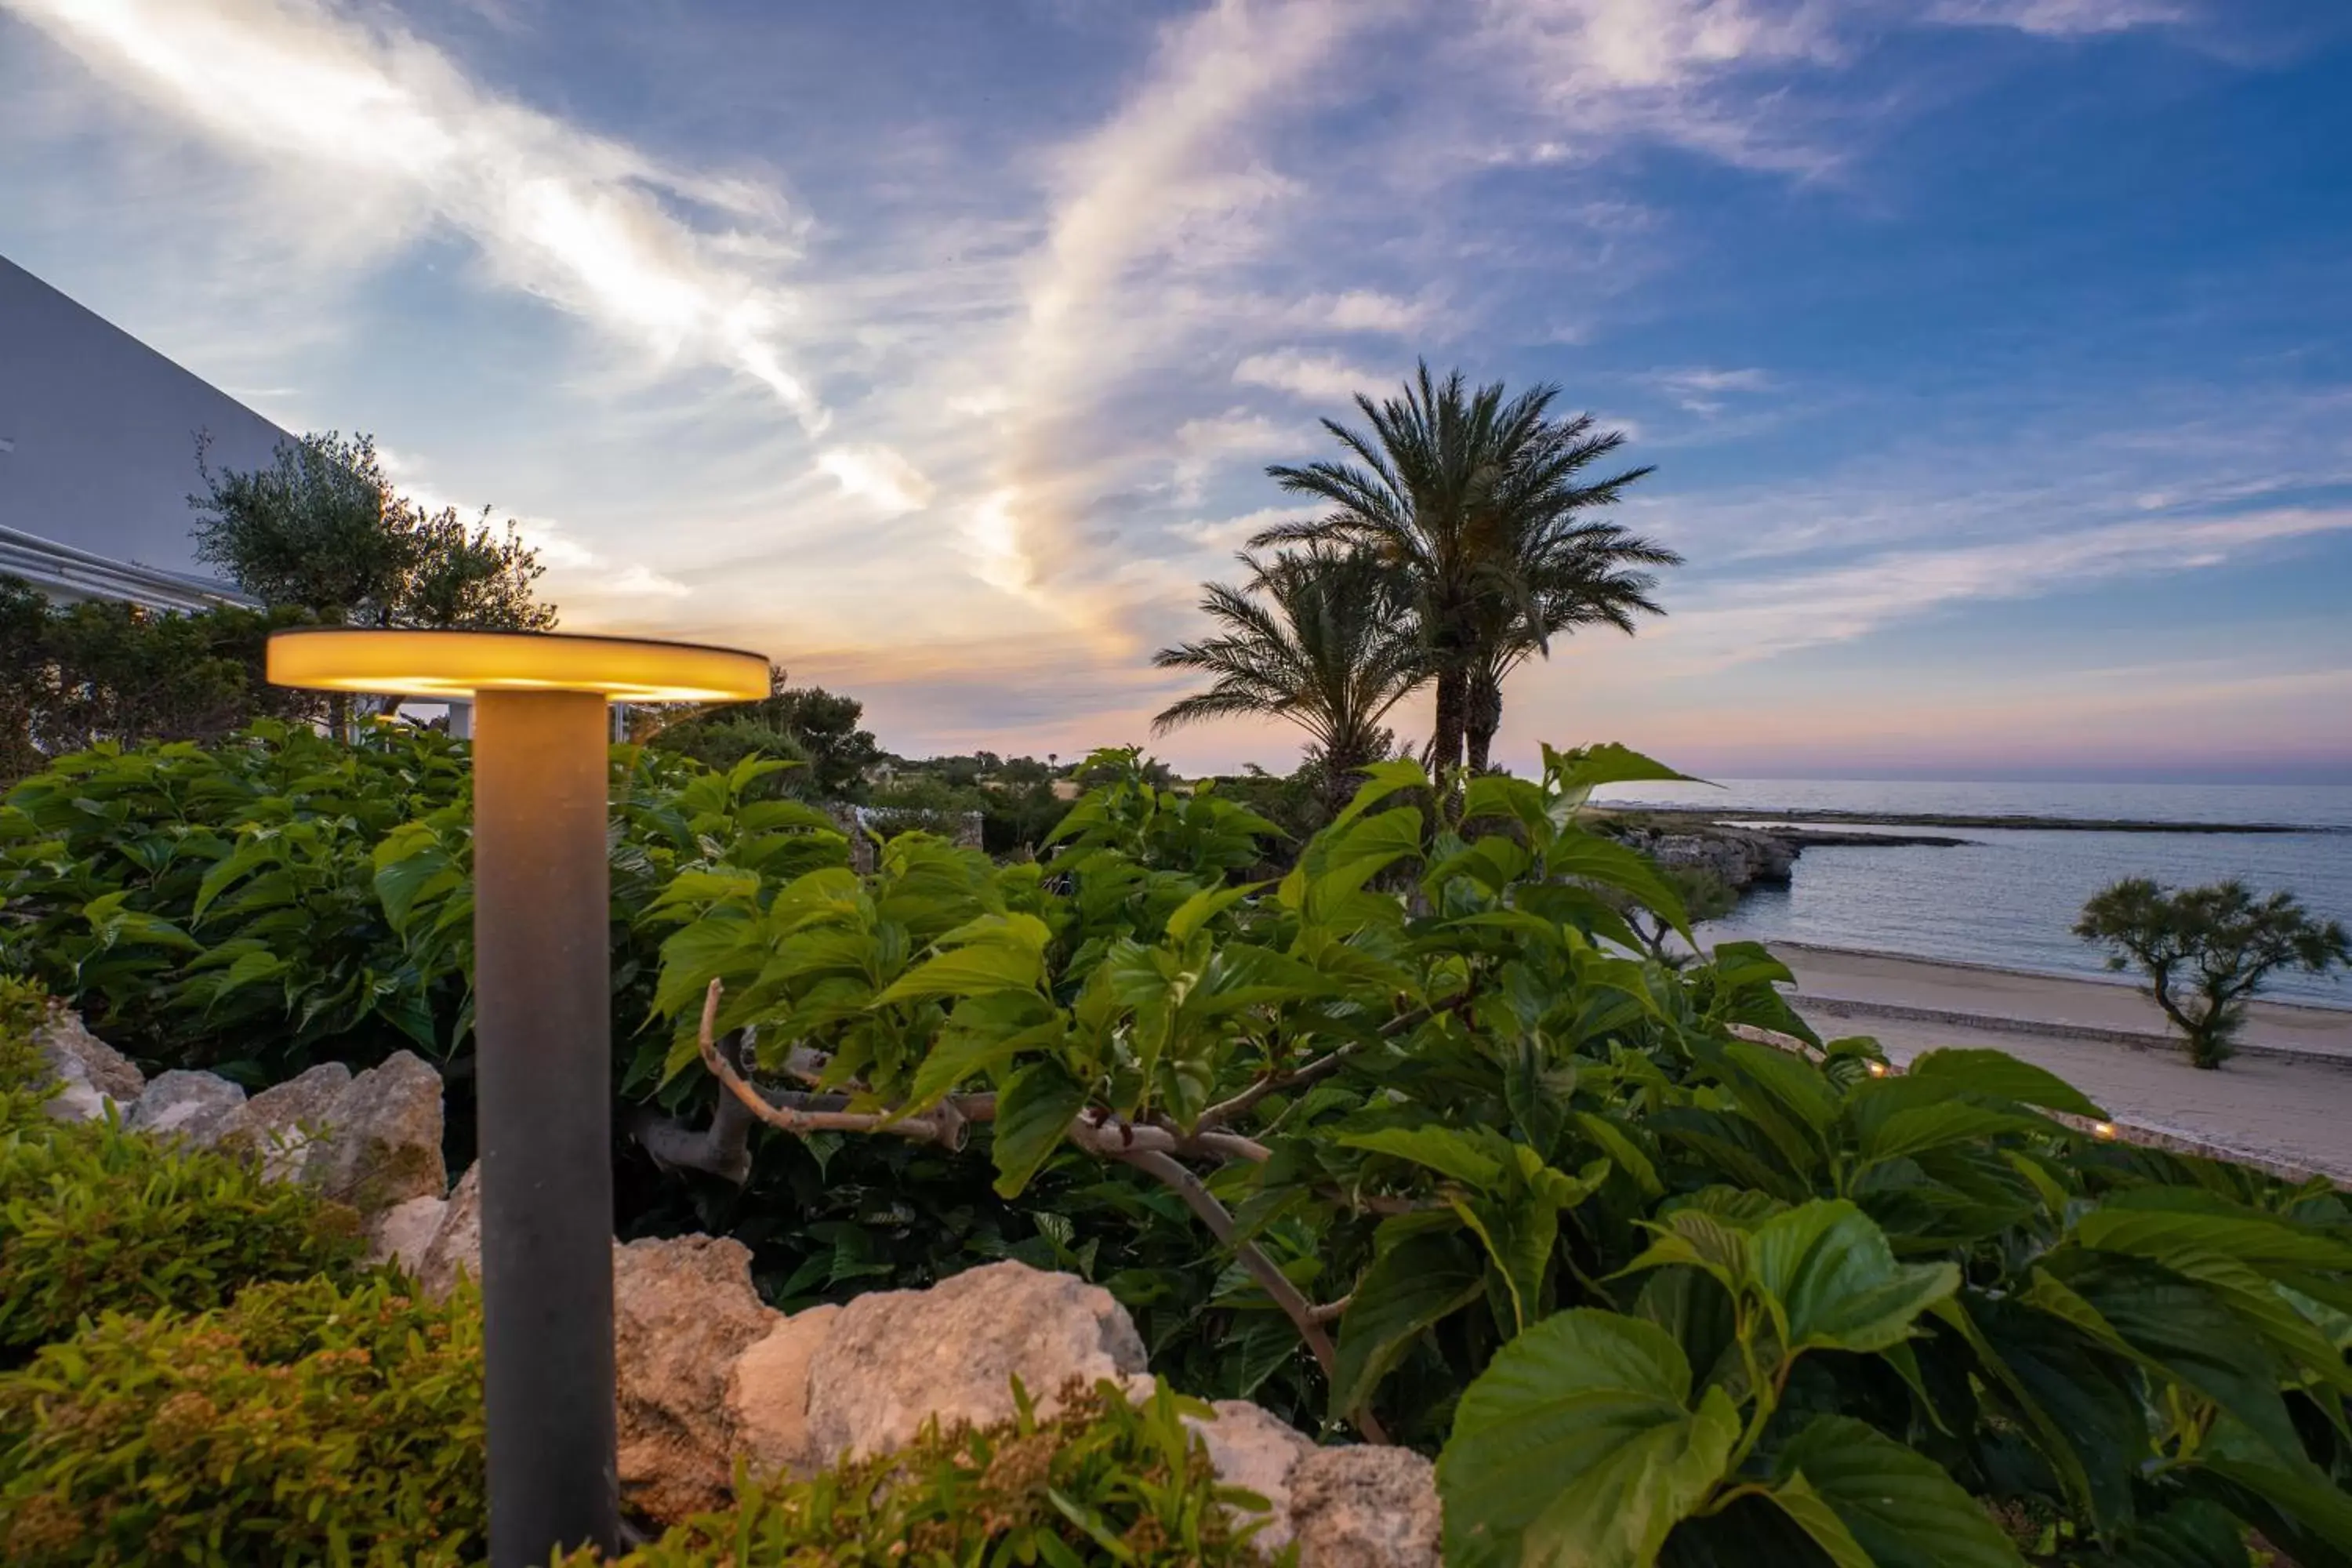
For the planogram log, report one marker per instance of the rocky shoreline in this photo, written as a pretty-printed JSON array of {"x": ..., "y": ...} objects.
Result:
[{"x": 1744, "y": 857}]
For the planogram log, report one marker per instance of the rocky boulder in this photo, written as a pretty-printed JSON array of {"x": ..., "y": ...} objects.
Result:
[
  {"x": 895, "y": 1358},
  {"x": 456, "y": 1247},
  {"x": 1255, "y": 1450},
  {"x": 193, "y": 1106},
  {"x": 70, "y": 1046},
  {"x": 381, "y": 1142},
  {"x": 278, "y": 1126},
  {"x": 684, "y": 1310},
  {"x": 404, "y": 1233},
  {"x": 768, "y": 1393},
  {"x": 1365, "y": 1507}
]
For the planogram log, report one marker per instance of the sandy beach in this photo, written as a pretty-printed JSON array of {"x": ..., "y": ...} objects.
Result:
[{"x": 2287, "y": 1096}]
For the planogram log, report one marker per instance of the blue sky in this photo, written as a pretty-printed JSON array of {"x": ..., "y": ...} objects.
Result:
[{"x": 1993, "y": 353}]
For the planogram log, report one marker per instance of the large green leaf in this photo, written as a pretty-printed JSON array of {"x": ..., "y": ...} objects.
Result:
[
  {"x": 1445, "y": 1149},
  {"x": 1008, "y": 954},
  {"x": 2178, "y": 1327},
  {"x": 1998, "y": 1073},
  {"x": 1032, "y": 1115},
  {"x": 1578, "y": 1448},
  {"x": 1834, "y": 1282},
  {"x": 1612, "y": 865},
  {"x": 1410, "y": 1285},
  {"x": 1575, "y": 774},
  {"x": 2192, "y": 1533},
  {"x": 1870, "y": 1503},
  {"x": 2079, "y": 1400}
]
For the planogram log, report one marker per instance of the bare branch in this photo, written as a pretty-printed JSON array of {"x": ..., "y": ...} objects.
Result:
[
  {"x": 1321, "y": 1067},
  {"x": 943, "y": 1125},
  {"x": 1332, "y": 1312},
  {"x": 1212, "y": 1214}
]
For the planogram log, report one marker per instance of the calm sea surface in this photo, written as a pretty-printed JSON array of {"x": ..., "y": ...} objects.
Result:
[{"x": 2011, "y": 896}]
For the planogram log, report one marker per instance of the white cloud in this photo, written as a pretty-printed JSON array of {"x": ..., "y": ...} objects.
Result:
[
  {"x": 1700, "y": 389},
  {"x": 1318, "y": 378},
  {"x": 1757, "y": 618},
  {"x": 645, "y": 583},
  {"x": 355, "y": 114},
  {"x": 1163, "y": 194},
  {"x": 880, "y": 475},
  {"x": 1368, "y": 311},
  {"x": 2059, "y": 18}
]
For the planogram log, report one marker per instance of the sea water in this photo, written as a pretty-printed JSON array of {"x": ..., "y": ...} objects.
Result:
[{"x": 2011, "y": 896}]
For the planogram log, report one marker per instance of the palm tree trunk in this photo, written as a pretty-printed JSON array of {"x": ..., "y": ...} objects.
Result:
[
  {"x": 1452, "y": 716},
  {"x": 1483, "y": 719}
]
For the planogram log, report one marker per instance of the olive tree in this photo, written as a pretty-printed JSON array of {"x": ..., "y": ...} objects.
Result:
[{"x": 2206, "y": 951}]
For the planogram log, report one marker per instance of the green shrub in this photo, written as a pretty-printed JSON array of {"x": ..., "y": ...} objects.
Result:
[
  {"x": 1102, "y": 1481},
  {"x": 305, "y": 1423},
  {"x": 25, "y": 1080},
  {"x": 94, "y": 1218}
]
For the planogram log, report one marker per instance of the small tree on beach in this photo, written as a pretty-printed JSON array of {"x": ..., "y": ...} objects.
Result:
[{"x": 2206, "y": 951}]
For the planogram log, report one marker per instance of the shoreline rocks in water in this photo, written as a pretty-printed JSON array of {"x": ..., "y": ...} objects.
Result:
[{"x": 1744, "y": 857}]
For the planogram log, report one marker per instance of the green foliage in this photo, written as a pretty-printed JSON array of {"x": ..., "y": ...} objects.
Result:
[
  {"x": 1665, "y": 1293},
  {"x": 804, "y": 724},
  {"x": 306, "y": 1422},
  {"x": 74, "y": 675},
  {"x": 2206, "y": 951},
  {"x": 96, "y": 1219},
  {"x": 1102, "y": 1480},
  {"x": 25, "y": 1080},
  {"x": 323, "y": 530},
  {"x": 214, "y": 905}
]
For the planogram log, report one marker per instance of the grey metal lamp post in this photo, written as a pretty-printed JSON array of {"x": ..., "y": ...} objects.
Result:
[{"x": 542, "y": 1019}]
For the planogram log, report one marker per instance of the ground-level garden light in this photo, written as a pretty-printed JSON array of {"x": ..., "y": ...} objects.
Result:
[{"x": 542, "y": 1022}]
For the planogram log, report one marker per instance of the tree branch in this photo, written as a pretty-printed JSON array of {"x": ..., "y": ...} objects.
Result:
[
  {"x": 943, "y": 1125},
  {"x": 1321, "y": 1067},
  {"x": 1212, "y": 1214}
]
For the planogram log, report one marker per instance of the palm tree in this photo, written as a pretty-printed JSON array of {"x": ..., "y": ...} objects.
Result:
[
  {"x": 1577, "y": 574},
  {"x": 1318, "y": 637},
  {"x": 1471, "y": 501}
]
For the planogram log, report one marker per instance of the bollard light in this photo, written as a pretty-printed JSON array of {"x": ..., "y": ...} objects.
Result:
[{"x": 543, "y": 1024}]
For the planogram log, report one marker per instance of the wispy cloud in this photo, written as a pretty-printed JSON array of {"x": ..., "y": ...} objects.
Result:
[
  {"x": 879, "y": 475},
  {"x": 1700, "y": 389},
  {"x": 1761, "y": 617},
  {"x": 2060, "y": 18},
  {"x": 359, "y": 114},
  {"x": 1318, "y": 378}
]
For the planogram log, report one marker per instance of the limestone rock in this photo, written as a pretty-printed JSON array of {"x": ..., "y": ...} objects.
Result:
[
  {"x": 456, "y": 1245},
  {"x": 896, "y": 1357},
  {"x": 280, "y": 1126},
  {"x": 404, "y": 1233},
  {"x": 1365, "y": 1507},
  {"x": 684, "y": 1310},
  {"x": 1255, "y": 1450},
  {"x": 77, "y": 1099},
  {"x": 191, "y": 1106},
  {"x": 768, "y": 1393},
  {"x": 382, "y": 1143},
  {"x": 110, "y": 1072}
]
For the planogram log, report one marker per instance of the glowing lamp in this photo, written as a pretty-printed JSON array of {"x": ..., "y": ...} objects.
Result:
[{"x": 542, "y": 1027}]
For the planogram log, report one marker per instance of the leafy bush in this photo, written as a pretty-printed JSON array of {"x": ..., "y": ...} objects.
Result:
[
  {"x": 96, "y": 1219},
  {"x": 1103, "y": 1480},
  {"x": 26, "y": 1081},
  {"x": 72, "y": 675},
  {"x": 309, "y": 1422},
  {"x": 210, "y": 905},
  {"x": 1655, "y": 1287}
]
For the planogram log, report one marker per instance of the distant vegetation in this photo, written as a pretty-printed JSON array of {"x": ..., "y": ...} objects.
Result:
[{"x": 2206, "y": 951}]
